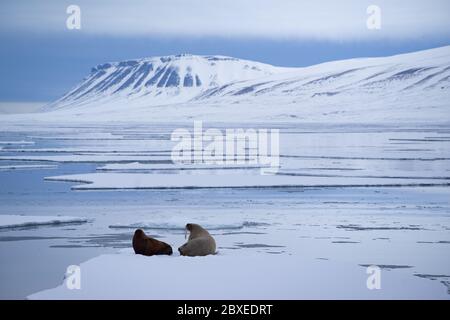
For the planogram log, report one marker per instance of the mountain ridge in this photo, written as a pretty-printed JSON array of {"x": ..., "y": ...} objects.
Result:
[
  {"x": 411, "y": 86},
  {"x": 171, "y": 76}
]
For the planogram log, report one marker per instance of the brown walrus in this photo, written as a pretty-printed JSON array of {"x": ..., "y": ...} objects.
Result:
[
  {"x": 142, "y": 244},
  {"x": 200, "y": 242}
]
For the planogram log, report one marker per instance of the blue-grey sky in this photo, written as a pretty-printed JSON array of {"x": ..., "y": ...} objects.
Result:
[{"x": 41, "y": 59}]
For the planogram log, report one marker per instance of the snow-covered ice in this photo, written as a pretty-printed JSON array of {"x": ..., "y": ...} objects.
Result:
[
  {"x": 21, "y": 221},
  {"x": 225, "y": 222},
  {"x": 130, "y": 276},
  {"x": 21, "y": 142},
  {"x": 137, "y": 166},
  {"x": 345, "y": 197},
  {"x": 363, "y": 179},
  {"x": 108, "y": 181},
  {"x": 27, "y": 167},
  {"x": 401, "y": 89}
]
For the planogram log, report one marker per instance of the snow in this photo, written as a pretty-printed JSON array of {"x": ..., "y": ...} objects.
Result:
[
  {"x": 312, "y": 251},
  {"x": 348, "y": 194},
  {"x": 26, "y": 167},
  {"x": 20, "y": 221},
  {"x": 129, "y": 276},
  {"x": 88, "y": 157},
  {"x": 179, "y": 223},
  {"x": 162, "y": 79},
  {"x": 93, "y": 181},
  {"x": 137, "y": 166},
  {"x": 402, "y": 89},
  {"x": 21, "y": 142}
]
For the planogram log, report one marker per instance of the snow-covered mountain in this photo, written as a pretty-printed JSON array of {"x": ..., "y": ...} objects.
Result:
[
  {"x": 413, "y": 86},
  {"x": 162, "y": 80}
]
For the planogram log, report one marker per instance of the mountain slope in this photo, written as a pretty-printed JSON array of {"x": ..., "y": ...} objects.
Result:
[
  {"x": 399, "y": 74},
  {"x": 408, "y": 87},
  {"x": 161, "y": 80}
]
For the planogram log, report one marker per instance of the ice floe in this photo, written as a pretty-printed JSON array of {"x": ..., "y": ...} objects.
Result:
[
  {"x": 108, "y": 181},
  {"x": 21, "y": 142},
  {"x": 22, "y": 221},
  {"x": 223, "y": 223},
  {"x": 273, "y": 276},
  {"x": 27, "y": 167}
]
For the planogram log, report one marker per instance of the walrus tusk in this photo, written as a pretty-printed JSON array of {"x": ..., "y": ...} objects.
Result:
[{"x": 185, "y": 233}]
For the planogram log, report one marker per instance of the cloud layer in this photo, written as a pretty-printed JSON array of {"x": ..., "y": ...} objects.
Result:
[{"x": 276, "y": 19}]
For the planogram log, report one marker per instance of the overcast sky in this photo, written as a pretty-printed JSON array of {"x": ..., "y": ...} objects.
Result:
[
  {"x": 41, "y": 58},
  {"x": 288, "y": 19}
]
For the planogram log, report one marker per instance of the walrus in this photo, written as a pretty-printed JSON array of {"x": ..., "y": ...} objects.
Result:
[
  {"x": 200, "y": 242},
  {"x": 142, "y": 244}
]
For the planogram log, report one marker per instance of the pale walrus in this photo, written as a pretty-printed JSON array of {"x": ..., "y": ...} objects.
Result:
[
  {"x": 142, "y": 244},
  {"x": 200, "y": 242}
]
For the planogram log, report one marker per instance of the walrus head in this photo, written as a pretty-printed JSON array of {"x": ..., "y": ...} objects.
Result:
[
  {"x": 139, "y": 233},
  {"x": 142, "y": 244},
  {"x": 195, "y": 231},
  {"x": 200, "y": 242},
  {"x": 188, "y": 228},
  {"x": 191, "y": 227},
  {"x": 194, "y": 228}
]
